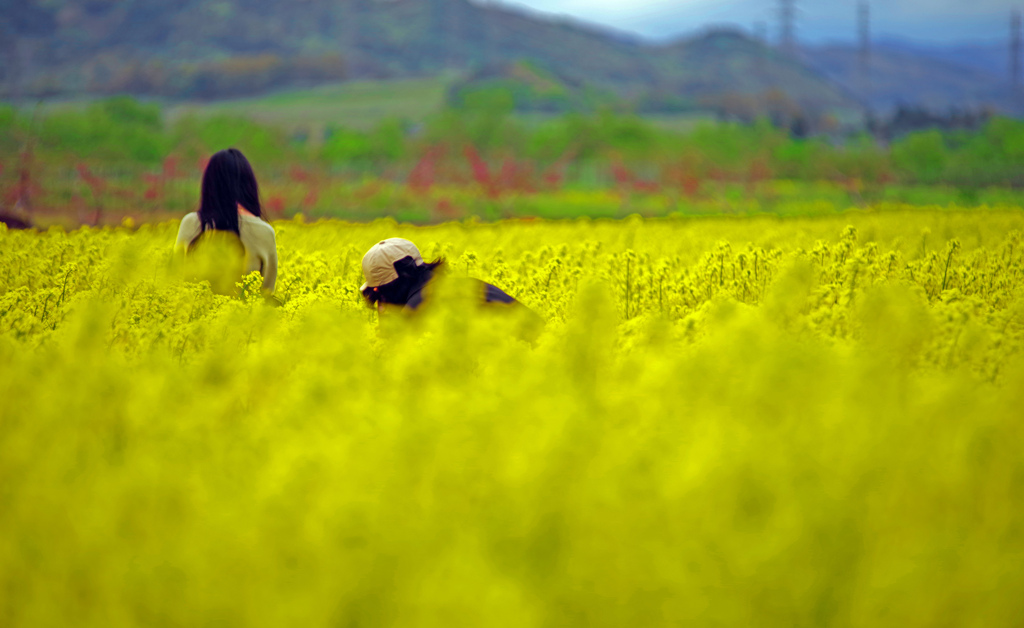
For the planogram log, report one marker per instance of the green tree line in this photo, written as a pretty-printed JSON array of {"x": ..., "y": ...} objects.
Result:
[{"x": 128, "y": 133}]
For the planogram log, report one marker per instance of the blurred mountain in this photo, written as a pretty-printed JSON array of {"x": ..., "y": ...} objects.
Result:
[
  {"x": 729, "y": 63},
  {"x": 526, "y": 87},
  {"x": 985, "y": 56},
  {"x": 939, "y": 79},
  {"x": 721, "y": 71},
  {"x": 223, "y": 48}
]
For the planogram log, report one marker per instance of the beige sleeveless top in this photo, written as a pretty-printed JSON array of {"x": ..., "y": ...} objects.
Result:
[{"x": 257, "y": 237}]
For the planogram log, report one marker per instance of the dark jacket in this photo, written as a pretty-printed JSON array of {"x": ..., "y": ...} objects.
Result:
[
  {"x": 530, "y": 323},
  {"x": 488, "y": 294}
]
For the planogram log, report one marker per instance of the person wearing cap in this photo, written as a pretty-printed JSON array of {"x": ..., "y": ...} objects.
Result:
[{"x": 396, "y": 274}]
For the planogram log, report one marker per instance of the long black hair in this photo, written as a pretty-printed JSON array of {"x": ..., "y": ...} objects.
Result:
[
  {"x": 227, "y": 183},
  {"x": 411, "y": 278}
]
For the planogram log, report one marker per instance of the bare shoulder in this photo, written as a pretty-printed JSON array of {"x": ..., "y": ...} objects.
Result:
[
  {"x": 256, "y": 227},
  {"x": 189, "y": 228},
  {"x": 256, "y": 223}
]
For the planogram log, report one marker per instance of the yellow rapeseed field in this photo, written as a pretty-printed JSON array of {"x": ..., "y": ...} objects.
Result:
[{"x": 726, "y": 422}]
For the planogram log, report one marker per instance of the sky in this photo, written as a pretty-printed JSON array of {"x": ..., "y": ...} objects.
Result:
[{"x": 926, "y": 21}]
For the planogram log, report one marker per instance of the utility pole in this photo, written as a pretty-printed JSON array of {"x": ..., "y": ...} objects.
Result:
[
  {"x": 1015, "y": 50},
  {"x": 787, "y": 27},
  {"x": 864, "y": 36}
]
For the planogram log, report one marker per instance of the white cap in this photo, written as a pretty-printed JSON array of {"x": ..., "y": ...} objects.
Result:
[{"x": 379, "y": 261}]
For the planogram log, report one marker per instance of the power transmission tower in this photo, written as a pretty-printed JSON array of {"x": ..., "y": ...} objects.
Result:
[
  {"x": 787, "y": 26},
  {"x": 1015, "y": 50},
  {"x": 864, "y": 36}
]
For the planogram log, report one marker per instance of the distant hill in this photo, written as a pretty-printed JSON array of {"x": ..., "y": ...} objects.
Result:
[
  {"x": 730, "y": 63},
  {"x": 989, "y": 57},
  {"x": 188, "y": 49},
  {"x": 715, "y": 71},
  {"x": 902, "y": 75},
  {"x": 528, "y": 88}
]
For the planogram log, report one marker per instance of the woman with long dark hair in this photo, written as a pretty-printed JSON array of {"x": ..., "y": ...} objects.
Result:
[{"x": 230, "y": 205}]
